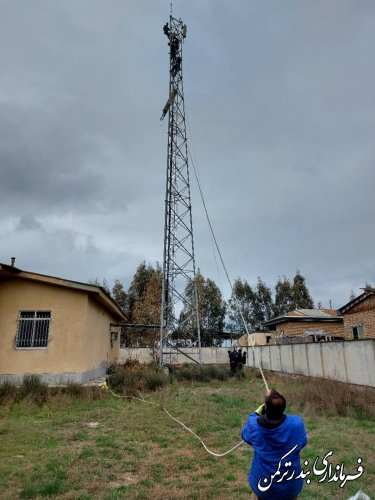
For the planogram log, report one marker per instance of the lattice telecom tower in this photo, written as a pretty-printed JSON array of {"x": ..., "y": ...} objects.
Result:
[{"x": 179, "y": 325}]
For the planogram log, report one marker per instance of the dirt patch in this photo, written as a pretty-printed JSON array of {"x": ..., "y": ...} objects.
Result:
[
  {"x": 93, "y": 425},
  {"x": 124, "y": 480}
]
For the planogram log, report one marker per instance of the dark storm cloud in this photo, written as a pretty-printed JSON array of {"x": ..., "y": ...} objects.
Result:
[
  {"x": 43, "y": 166},
  {"x": 28, "y": 222}
]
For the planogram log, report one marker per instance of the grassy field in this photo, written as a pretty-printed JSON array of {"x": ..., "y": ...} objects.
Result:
[{"x": 99, "y": 446}]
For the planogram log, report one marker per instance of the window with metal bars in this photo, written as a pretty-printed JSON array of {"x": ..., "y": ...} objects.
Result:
[{"x": 33, "y": 328}]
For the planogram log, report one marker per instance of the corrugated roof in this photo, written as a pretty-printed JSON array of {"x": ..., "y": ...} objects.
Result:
[
  {"x": 316, "y": 313},
  {"x": 324, "y": 315}
]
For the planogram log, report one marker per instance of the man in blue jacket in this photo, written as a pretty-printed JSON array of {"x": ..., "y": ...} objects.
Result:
[{"x": 277, "y": 440}]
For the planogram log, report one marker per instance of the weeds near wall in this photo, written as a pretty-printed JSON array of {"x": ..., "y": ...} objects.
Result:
[
  {"x": 8, "y": 391},
  {"x": 336, "y": 398},
  {"x": 74, "y": 389},
  {"x": 199, "y": 373},
  {"x": 303, "y": 394},
  {"x": 132, "y": 377},
  {"x": 33, "y": 388}
]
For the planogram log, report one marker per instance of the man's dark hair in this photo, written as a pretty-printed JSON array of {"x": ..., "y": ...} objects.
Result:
[{"x": 275, "y": 405}]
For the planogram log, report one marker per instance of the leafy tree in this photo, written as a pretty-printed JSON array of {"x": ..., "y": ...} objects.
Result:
[
  {"x": 263, "y": 305},
  {"x": 143, "y": 302},
  {"x": 284, "y": 297},
  {"x": 147, "y": 311},
  {"x": 242, "y": 299},
  {"x": 119, "y": 295},
  {"x": 214, "y": 307},
  {"x": 211, "y": 308},
  {"x": 301, "y": 294},
  {"x": 102, "y": 284},
  {"x": 139, "y": 284}
]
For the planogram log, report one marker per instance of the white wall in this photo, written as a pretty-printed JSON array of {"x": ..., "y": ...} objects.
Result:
[
  {"x": 210, "y": 355},
  {"x": 349, "y": 361}
]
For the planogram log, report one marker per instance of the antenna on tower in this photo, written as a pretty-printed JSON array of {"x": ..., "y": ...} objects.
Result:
[{"x": 179, "y": 318}]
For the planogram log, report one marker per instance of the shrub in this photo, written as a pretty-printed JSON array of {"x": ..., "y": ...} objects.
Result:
[
  {"x": 8, "y": 390},
  {"x": 35, "y": 389},
  {"x": 74, "y": 389},
  {"x": 128, "y": 381},
  {"x": 333, "y": 397},
  {"x": 218, "y": 372},
  {"x": 155, "y": 379},
  {"x": 130, "y": 363},
  {"x": 200, "y": 373},
  {"x": 132, "y": 378}
]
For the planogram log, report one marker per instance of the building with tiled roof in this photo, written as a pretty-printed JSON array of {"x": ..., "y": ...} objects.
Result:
[{"x": 307, "y": 325}]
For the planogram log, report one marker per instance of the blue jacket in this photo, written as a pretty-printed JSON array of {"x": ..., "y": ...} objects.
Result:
[{"x": 270, "y": 446}]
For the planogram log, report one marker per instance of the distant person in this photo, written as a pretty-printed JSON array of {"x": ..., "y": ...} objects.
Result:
[
  {"x": 176, "y": 66},
  {"x": 232, "y": 361},
  {"x": 244, "y": 358},
  {"x": 277, "y": 440},
  {"x": 166, "y": 29},
  {"x": 174, "y": 44},
  {"x": 239, "y": 369}
]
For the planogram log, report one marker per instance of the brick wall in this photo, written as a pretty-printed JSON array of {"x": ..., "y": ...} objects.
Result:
[
  {"x": 363, "y": 314},
  {"x": 364, "y": 318},
  {"x": 298, "y": 329}
]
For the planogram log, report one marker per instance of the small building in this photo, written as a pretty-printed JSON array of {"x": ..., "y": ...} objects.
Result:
[
  {"x": 56, "y": 328},
  {"x": 359, "y": 316},
  {"x": 307, "y": 325},
  {"x": 254, "y": 338}
]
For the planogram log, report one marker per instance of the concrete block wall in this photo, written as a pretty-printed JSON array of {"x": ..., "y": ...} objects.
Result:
[
  {"x": 352, "y": 362},
  {"x": 210, "y": 355}
]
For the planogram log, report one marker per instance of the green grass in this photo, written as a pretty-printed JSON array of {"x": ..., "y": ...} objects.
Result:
[{"x": 136, "y": 451}]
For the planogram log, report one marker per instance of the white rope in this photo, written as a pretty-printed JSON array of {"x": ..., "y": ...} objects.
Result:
[
  {"x": 213, "y": 239},
  {"x": 143, "y": 400}
]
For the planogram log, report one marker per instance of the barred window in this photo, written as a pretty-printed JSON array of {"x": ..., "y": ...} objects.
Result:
[{"x": 33, "y": 328}]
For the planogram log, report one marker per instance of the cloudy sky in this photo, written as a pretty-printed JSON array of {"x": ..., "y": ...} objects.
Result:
[{"x": 280, "y": 99}]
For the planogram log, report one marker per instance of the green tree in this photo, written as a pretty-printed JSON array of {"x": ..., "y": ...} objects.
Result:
[
  {"x": 210, "y": 305},
  {"x": 120, "y": 296},
  {"x": 263, "y": 305},
  {"x": 102, "y": 284},
  {"x": 147, "y": 311},
  {"x": 241, "y": 301},
  {"x": 142, "y": 304},
  {"x": 139, "y": 284},
  {"x": 301, "y": 294},
  {"x": 284, "y": 297}
]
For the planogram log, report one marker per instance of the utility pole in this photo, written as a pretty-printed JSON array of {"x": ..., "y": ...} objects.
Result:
[{"x": 179, "y": 318}]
